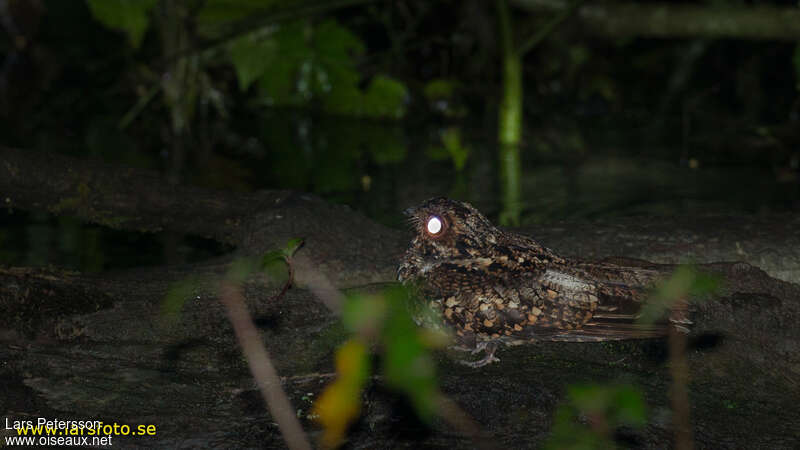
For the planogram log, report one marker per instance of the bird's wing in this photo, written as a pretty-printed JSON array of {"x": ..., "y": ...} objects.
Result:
[
  {"x": 542, "y": 304},
  {"x": 615, "y": 314}
]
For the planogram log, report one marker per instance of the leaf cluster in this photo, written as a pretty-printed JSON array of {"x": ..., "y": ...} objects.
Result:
[{"x": 381, "y": 321}]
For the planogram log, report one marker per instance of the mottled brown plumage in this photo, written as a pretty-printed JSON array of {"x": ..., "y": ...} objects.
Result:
[{"x": 492, "y": 286}]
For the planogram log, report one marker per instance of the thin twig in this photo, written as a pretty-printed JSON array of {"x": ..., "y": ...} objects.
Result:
[
  {"x": 289, "y": 281},
  {"x": 315, "y": 281},
  {"x": 679, "y": 396},
  {"x": 261, "y": 367},
  {"x": 543, "y": 32},
  {"x": 309, "y": 377},
  {"x": 259, "y": 21},
  {"x": 140, "y": 105}
]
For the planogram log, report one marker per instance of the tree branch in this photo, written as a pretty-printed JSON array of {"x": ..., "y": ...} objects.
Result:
[
  {"x": 664, "y": 20},
  {"x": 261, "y": 367}
]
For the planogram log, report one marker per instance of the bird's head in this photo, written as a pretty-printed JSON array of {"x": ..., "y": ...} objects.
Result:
[{"x": 449, "y": 229}]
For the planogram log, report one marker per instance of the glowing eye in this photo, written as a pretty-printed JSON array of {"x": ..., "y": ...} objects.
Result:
[{"x": 434, "y": 225}]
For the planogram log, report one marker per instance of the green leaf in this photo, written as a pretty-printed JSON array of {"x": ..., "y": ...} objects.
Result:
[
  {"x": 280, "y": 85},
  {"x": 630, "y": 407},
  {"x": 568, "y": 434},
  {"x": 271, "y": 257},
  {"x": 451, "y": 148},
  {"x": 685, "y": 281},
  {"x": 336, "y": 43},
  {"x": 332, "y": 72},
  {"x": 407, "y": 365},
  {"x": 704, "y": 284},
  {"x": 291, "y": 247},
  {"x": 344, "y": 97},
  {"x": 620, "y": 405},
  {"x": 251, "y": 57},
  {"x": 274, "y": 262},
  {"x": 440, "y": 89},
  {"x": 277, "y": 85},
  {"x": 385, "y": 97},
  {"x": 129, "y": 16},
  {"x": 364, "y": 315},
  {"x": 612, "y": 406},
  {"x": 590, "y": 398},
  {"x": 315, "y": 65}
]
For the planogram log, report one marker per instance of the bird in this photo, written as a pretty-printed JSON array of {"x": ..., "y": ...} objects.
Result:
[{"x": 490, "y": 286}]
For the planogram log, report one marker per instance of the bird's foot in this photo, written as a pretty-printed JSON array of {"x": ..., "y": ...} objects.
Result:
[{"x": 488, "y": 348}]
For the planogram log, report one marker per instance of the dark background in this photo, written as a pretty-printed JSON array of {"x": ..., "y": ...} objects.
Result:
[
  {"x": 380, "y": 105},
  {"x": 664, "y": 131}
]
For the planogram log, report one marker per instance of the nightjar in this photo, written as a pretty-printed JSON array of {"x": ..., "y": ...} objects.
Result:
[{"x": 491, "y": 286}]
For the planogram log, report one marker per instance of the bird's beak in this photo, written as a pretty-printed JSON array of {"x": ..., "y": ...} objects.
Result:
[{"x": 410, "y": 212}]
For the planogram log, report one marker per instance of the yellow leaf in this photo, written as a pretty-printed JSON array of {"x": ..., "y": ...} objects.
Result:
[{"x": 340, "y": 403}]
